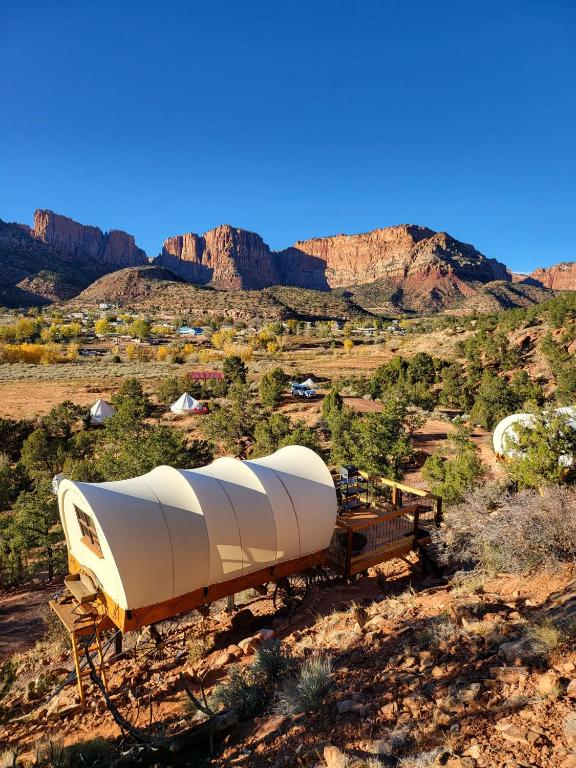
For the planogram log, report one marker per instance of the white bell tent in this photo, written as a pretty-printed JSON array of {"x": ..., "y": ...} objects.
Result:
[
  {"x": 309, "y": 383},
  {"x": 100, "y": 411},
  {"x": 185, "y": 404},
  {"x": 160, "y": 536}
]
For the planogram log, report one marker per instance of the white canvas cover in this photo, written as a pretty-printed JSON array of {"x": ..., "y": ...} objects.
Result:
[
  {"x": 100, "y": 411},
  {"x": 310, "y": 383},
  {"x": 504, "y": 435},
  {"x": 185, "y": 403},
  {"x": 172, "y": 531}
]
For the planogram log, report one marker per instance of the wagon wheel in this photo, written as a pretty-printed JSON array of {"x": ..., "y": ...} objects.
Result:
[
  {"x": 290, "y": 591},
  {"x": 318, "y": 576},
  {"x": 160, "y": 642}
]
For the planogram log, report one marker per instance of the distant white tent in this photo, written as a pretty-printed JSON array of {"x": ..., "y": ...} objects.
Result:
[
  {"x": 310, "y": 383},
  {"x": 185, "y": 403},
  {"x": 100, "y": 411}
]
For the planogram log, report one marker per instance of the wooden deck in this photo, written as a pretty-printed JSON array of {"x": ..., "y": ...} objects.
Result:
[{"x": 393, "y": 520}]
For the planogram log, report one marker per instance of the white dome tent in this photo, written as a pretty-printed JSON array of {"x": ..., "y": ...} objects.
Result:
[
  {"x": 155, "y": 539},
  {"x": 100, "y": 411},
  {"x": 185, "y": 404},
  {"x": 504, "y": 436}
]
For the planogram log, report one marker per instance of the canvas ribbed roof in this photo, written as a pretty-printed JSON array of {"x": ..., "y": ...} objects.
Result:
[{"x": 173, "y": 531}]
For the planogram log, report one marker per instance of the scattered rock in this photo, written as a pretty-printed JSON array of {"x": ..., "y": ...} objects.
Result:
[
  {"x": 349, "y": 705},
  {"x": 548, "y": 684},
  {"x": 334, "y": 757}
]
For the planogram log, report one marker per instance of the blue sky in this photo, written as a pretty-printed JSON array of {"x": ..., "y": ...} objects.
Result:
[{"x": 295, "y": 119}]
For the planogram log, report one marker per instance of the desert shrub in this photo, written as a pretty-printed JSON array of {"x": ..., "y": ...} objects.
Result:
[
  {"x": 441, "y": 629},
  {"x": 7, "y": 677},
  {"x": 456, "y": 469},
  {"x": 544, "y": 638},
  {"x": 495, "y": 530},
  {"x": 51, "y": 753},
  {"x": 421, "y": 759},
  {"x": 305, "y": 691},
  {"x": 272, "y": 662},
  {"x": 240, "y": 692}
]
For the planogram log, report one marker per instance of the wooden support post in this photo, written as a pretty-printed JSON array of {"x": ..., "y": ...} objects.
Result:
[
  {"x": 230, "y": 605},
  {"x": 118, "y": 643},
  {"x": 348, "y": 553},
  {"x": 438, "y": 513},
  {"x": 416, "y": 525}
]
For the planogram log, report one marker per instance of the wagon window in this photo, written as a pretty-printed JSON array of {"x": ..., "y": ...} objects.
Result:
[{"x": 88, "y": 529}]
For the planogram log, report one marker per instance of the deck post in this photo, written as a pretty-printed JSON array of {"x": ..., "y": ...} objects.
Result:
[
  {"x": 438, "y": 514},
  {"x": 348, "y": 553},
  {"x": 118, "y": 643},
  {"x": 416, "y": 526}
]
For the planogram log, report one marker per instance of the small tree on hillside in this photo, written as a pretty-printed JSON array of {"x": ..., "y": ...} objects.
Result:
[
  {"x": 12, "y": 436},
  {"x": 456, "y": 389},
  {"x": 234, "y": 370},
  {"x": 168, "y": 390},
  {"x": 277, "y": 431},
  {"x": 233, "y": 425},
  {"x": 421, "y": 369},
  {"x": 380, "y": 443},
  {"x": 272, "y": 386},
  {"x": 495, "y": 399},
  {"x": 131, "y": 390},
  {"x": 454, "y": 470},
  {"x": 36, "y": 522}
]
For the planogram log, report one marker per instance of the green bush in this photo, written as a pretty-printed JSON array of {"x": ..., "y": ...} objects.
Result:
[{"x": 272, "y": 662}]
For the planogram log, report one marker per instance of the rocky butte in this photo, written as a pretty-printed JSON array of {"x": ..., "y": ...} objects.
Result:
[
  {"x": 232, "y": 259},
  {"x": 113, "y": 249},
  {"x": 560, "y": 277}
]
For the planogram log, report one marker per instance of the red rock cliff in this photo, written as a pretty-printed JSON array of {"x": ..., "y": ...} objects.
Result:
[
  {"x": 560, "y": 277},
  {"x": 233, "y": 258},
  {"x": 113, "y": 249},
  {"x": 226, "y": 257},
  {"x": 401, "y": 253}
]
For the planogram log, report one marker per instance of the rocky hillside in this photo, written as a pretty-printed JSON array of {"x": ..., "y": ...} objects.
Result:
[
  {"x": 57, "y": 258},
  {"x": 154, "y": 287},
  {"x": 33, "y": 273},
  {"x": 424, "y": 674},
  {"x": 560, "y": 277},
  {"x": 83, "y": 243}
]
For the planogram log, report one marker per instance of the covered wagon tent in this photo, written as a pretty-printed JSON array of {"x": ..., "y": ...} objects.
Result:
[
  {"x": 175, "y": 539},
  {"x": 100, "y": 411},
  {"x": 186, "y": 404}
]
